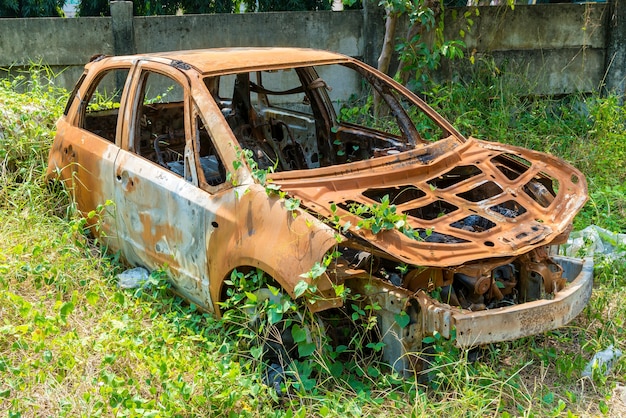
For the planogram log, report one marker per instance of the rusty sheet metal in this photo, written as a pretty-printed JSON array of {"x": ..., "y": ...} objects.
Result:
[
  {"x": 226, "y": 60},
  {"x": 510, "y": 323},
  {"x": 82, "y": 173},
  {"x": 426, "y": 315},
  {"x": 255, "y": 230},
  {"x": 504, "y": 191},
  {"x": 162, "y": 223}
]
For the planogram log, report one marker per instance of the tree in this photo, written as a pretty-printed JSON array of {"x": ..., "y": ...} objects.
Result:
[
  {"x": 31, "y": 8},
  {"x": 140, "y": 7},
  {"x": 424, "y": 45},
  {"x": 288, "y": 5},
  {"x": 203, "y": 6},
  {"x": 94, "y": 8},
  {"x": 170, "y": 7}
]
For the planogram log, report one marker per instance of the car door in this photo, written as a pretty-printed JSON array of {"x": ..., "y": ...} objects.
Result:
[
  {"x": 87, "y": 143},
  {"x": 160, "y": 208}
]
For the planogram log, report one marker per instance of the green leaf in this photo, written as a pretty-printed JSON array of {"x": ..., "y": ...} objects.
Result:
[
  {"x": 402, "y": 319},
  {"x": 66, "y": 309},
  {"x": 340, "y": 290},
  {"x": 376, "y": 346},
  {"x": 316, "y": 271},
  {"x": 336, "y": 369},
  {"x": 373, "y": 371},
  {"x": 292, "y": 204},
  {"x": 298, "y": 333},
  {"x": 340, "y": 349},
  {"x": 273, "y": 289},
  {"x": 256, "y": 352},
  {"x": 119, "y": 298},
  {"x": 300, "y": 288},
  {"x": 548, "y": 398},
  {"x": 92, "y": 298},
  {"x": 306, "y": 349},
  {"x": 603, "y": 407},
  {"x": 275, "y": 316},
  {"x": 308, "y": 384},
  {"x": 428, "y": 340}
]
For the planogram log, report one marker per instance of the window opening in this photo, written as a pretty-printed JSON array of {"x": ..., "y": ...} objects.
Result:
[
  {"x": 211, "y": 165},
  {"x": 160, "y": 125},
  {"x": 100, "y": 114}
]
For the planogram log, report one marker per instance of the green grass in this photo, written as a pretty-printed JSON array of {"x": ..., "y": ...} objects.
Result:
[{"x": 73, "y": 344}]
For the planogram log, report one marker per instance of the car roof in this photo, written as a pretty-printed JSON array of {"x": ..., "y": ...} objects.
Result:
[{"x": 224, "y": 60}]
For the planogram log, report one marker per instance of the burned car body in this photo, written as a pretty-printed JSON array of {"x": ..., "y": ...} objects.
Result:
[{"x": 281, "y": 159}]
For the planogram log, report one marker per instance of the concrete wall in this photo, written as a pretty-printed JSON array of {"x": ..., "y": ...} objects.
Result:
[
  {"x": 64, "y": 44},
  {"x": 558, "y": 48},
  {"x": 563, "y": 46}
]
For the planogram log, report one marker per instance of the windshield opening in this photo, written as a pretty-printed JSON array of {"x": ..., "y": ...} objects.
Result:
[{"x": 312, "y": 117}]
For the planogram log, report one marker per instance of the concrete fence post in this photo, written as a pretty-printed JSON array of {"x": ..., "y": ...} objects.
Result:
[
  {"x": 615, "y": 67},
  {"x": 123, "y": 29},
  {"x": 373, "y": 31}
]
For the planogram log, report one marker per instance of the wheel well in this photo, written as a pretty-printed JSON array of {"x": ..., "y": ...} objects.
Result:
[{"x": 267, "y": 278}]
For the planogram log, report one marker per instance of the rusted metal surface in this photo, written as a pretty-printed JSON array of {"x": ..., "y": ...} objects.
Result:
[
  {"x": 197, "y": 144},
  {"x": 474, "y": 197},
  {"x": 509, "y": 323}
]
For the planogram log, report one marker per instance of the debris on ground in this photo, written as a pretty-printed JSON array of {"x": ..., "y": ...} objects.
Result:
[{"x": 133, "y": 278}]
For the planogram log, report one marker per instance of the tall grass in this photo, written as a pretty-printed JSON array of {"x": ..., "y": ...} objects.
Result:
[{"x": 73, "y": 344}]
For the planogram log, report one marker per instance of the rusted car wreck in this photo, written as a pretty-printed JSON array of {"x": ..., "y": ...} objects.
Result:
[{"x": 193, "y": 146}]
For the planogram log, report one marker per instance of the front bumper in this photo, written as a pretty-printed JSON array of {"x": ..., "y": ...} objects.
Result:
[{"x": 513, "y": 322}]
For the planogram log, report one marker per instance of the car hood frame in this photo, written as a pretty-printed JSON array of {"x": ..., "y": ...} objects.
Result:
[{"x": 466, "y": 201}]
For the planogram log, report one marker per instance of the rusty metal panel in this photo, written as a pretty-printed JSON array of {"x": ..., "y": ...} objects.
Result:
[
  {"x": 477, "y": 199},
  {"x": 254, "y": 229},
  {"x": 84, "y": 162},
  {"x": 162, "y": 221},
  {"x": 226, "y": 60},
  {"x": 505, "y": 324}
]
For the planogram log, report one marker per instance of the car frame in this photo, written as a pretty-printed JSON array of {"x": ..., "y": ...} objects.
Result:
[{"x": 453, "y": 234}]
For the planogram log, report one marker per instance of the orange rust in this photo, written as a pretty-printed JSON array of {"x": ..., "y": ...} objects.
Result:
[
  {"x": 284, "y": 244},
  {"x": 505, "y": 237}
]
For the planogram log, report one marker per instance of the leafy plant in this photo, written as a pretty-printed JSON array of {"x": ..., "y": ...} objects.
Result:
[
  {"x": 383, "y": 216},
  {"x": 32, "y": 8}
]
